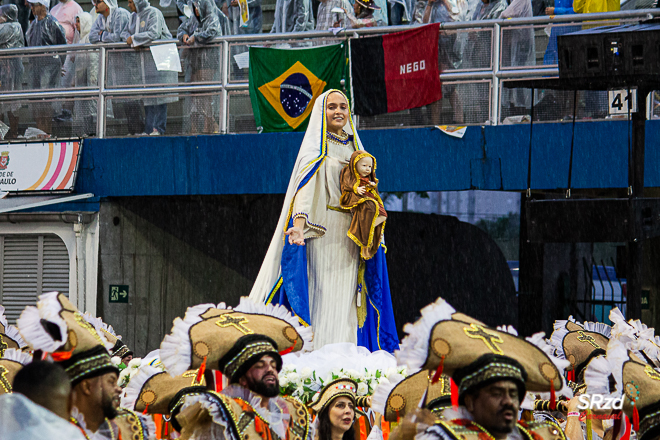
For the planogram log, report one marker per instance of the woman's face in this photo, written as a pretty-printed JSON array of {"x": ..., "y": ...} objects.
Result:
[
  {"x": 356, "y": 8},
  {"x": 341, "y": 414},
  {"x": 336, "y": 112}
]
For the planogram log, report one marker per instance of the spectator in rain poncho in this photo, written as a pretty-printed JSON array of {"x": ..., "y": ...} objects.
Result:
[
  {"x": 110, "y": 22},
  {"x": 45, "y": 71},
  {"x": 86, "y": 74},
  {"x": 293, "y": 16},
  {"x": 401, "y": 11},
  {"x": 23, "y": 12},
  {"x": 326, "y": 19},
  {"x": 517, "y": 50},
  {"x": 450, "y": 49},
  {"x": 11, "y": 69},
  {"x": 147, "y": 24},
  {"x": 233, "y": 11},
  {"x": 364, "y": 14},
  {"x": 202, "y": 63}
]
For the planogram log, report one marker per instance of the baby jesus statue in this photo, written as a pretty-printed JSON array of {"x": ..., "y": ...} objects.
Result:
[{"x": 359, "y": 194}]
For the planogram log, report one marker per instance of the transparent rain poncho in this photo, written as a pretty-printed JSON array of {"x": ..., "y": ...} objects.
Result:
[
  {"x": 45, "y": 71},
  {"x": 518, "y": 50},
  {"x": 293, "y": 16},
  {"x": 211, "y": 23},
  {"x": 86, "y": 75},
  {"x": 112, "y": 27},
  {"x": 145, "y": 26},
  {"x": 255, "y": 20},
  {"x": 11, "y": 35}
]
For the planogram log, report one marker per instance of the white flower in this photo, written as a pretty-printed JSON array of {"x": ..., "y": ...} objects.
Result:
[
  {"x": 383, "y": 380},
  {"x": 306, "y": 373},
  {"x": 135, "y": 363},
  {"x": 116, "y": 360},
  {"x": 288, "y": 368},
  {"x": 391, "y": 370},
  {"x": 363, "y": 389},
  {"x": 284, "y": 381},
  {"x": 293, "y": 377}
]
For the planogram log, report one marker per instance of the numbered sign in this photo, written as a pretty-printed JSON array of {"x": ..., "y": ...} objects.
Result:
[{"x": 621, "y": 102}]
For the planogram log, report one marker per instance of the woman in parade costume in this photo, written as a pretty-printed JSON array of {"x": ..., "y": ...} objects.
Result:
[
  {"x": 317, "y": 271},
  {"x": 336, "y": 410}
]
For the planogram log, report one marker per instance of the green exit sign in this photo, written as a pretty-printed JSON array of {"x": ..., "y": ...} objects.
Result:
[
  {"x": 118, "y": 293},
  {"x": 645, "y": 299}
]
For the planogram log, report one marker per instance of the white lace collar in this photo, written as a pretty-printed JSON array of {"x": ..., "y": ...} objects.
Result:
[
  {"x": 107, "y": 430},
  {"x": 276, "y": 413}
]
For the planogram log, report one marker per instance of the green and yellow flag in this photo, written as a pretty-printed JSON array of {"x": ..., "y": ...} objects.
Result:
[{"x": 284, "y": 83}]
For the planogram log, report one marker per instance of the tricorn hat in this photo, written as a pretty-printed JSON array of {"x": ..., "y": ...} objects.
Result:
[
  {"x": 578, "y": 342},
  {"x": 119, "y": 348},
  {"x": 230, "y": 339},
  {"x": 475, "y": 355},
  {"x": 154, "y": 391},
  {"x": 9, "y": 335},
  {"x": 398, "y": 398},
  {"x": 10, "y": 363},
  {"x": 57, "y": 327}
]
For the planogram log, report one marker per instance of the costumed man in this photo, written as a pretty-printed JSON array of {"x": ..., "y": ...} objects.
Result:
[
  {"x": 492, "y": 370},
  {"x": 56, "y": 327},
  {"x": 245, "y": 344}
]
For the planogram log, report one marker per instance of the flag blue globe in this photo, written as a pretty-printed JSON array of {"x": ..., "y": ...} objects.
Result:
[{"x": 295, "y": 94}]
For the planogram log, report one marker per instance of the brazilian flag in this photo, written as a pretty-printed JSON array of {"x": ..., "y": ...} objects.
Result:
[{"x": 284, "y": 83}]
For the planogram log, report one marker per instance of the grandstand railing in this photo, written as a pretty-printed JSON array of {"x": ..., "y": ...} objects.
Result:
[{"x": 216, "y": 100}]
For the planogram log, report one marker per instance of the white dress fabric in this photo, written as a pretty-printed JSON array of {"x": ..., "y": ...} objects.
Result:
[{"x": 332, "y": 258}]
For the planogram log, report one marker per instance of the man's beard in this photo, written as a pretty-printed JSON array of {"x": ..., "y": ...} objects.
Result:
[
  {"x": 108, "y": 407},
  {"x": 262, "y": 388}
]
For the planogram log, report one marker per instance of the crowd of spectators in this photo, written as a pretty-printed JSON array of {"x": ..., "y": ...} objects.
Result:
[{"x": 58, "y": 22}]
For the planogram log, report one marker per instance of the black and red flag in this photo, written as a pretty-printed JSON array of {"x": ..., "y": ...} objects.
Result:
[{"x": 396, "y": 71}]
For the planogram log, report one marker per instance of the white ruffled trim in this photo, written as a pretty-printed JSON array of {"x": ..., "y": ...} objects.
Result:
[
  {"x": 10, "y": 330},
  {"x": 598, "y": 327},
  {"x": 382, "y": 392},
  {"x": 596, "y": 376},
  {"x": 538, "y": 339},
  {"x": 414, "y": 347},
  {"x": 132, "y": 390},
  {"x": 19, "y": 356},
  {"x": 176, "y": 350},
  {"x": 508, "y": 329},
  {"x": 557, "y": 336},
  {"x": 209, "y": 403},
  {"x": 30, "y": 328},
  {"x": 149, "y": 424},
  {"x": 246, "y": 305},
  {"x": 617, "y": 355}
]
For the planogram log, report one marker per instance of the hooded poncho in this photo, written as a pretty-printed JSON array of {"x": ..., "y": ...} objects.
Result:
[
  {"x": 365, "y": 208},
  {"x": 11, "y": 35}
]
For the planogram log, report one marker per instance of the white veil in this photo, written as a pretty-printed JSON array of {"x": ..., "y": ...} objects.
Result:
[{"x": 310, "y": 156}]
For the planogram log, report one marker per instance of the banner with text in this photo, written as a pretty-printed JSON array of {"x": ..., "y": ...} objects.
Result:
[{"x": 39, "y": 166}]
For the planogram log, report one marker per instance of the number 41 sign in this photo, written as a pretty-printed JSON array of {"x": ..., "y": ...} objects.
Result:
[{"x": 621, "y": 102}]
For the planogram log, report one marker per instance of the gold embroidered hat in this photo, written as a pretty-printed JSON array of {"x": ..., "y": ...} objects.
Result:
[
  {"x": 154, "y": 391},
  {"x": 9, "y": 335},
  {"x": 579, "y": 343},
  {"x": 10, "y": 363},
  {"x": 399, "y": 398},
  {"x": 337, "y": 388},
  {"x": 57, "y": 327},
  {"x": 474, "y": 355},
  {"x": 119, "y": 348},
  {"x": 231, "y": 340}
]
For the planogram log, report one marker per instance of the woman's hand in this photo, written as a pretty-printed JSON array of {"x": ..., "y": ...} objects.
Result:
[
  {"x": 296, "y": 236},
  {"x": 549, "y": 11},
  {"x": 361, "y": 190}
]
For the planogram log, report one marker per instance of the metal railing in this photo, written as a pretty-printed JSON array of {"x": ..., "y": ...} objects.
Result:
[{"x": 211, "y": 94}]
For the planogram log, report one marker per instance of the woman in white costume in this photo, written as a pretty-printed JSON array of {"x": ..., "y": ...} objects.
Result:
[{"x": 314, "y": 271}]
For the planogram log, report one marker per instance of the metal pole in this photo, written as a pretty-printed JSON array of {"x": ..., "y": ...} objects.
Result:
[
  {"x": 636, "y": 246},
  {"x": 224, "y": 116},
  {"x": 100, "y": 104},
  {"x": 495, "y": 86}
]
